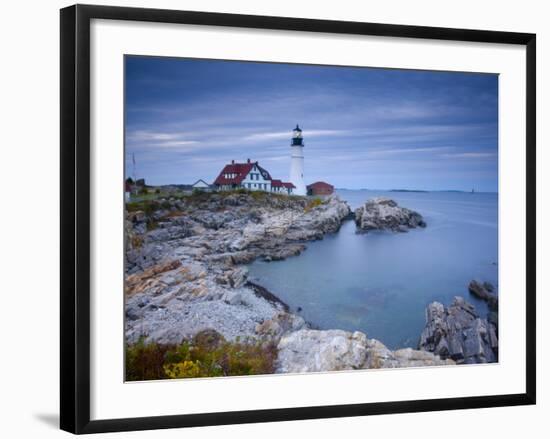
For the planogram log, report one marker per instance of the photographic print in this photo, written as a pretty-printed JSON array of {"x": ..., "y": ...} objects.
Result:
[{"x": 293, "y": 218}]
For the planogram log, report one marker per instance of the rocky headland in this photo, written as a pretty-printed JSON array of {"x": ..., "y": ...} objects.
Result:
[
  {"x": 185, "y": 260},
  {"x": 385, "y": 214},
  {"x": 186, "y": 274}
]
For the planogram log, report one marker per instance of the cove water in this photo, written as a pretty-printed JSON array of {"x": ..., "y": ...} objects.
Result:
[{"x": 380, "y": 283}]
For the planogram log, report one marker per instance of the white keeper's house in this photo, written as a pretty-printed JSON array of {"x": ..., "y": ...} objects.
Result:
[{"x": 251, "y": 176}]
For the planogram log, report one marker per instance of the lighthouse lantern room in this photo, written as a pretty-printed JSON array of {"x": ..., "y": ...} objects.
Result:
[{"x": 297, "y": 162}]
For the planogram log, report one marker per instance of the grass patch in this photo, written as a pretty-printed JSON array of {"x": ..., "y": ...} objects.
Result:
[
  {"x": 312, "y": 204},
  {"x": 208, "y": 354},
  {"x": 146, "y": 206}
]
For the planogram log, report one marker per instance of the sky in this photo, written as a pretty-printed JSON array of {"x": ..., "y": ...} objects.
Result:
[{"x": 362, "y": 127}]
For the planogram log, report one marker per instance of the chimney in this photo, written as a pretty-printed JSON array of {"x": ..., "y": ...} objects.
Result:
[
  {"x": 247, "y": 160},
  {"x": 232, "y": 162}
]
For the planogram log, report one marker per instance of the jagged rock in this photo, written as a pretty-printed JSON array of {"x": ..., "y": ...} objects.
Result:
[
  {"x": 384, "y": 214},
  {"x": 237, "y": 276},
  {"x": 243, "y": 257},
  {"x": 279, "y": 254},
  {"x": 485, "y": 292},
  {"x": 143, "y": 256},
  {"x": 282, "y": 323},
  {"x": 147, "y": 279},
  {"x": 459, "y": 333}
]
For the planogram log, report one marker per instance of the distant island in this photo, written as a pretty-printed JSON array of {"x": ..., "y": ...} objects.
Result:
[{"x": 410, "y": 190}]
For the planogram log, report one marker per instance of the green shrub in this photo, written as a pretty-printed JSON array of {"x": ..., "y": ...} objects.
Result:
[
  {"x": 208, "y": 354},
  {"x": 313, "y": 204},
  {"x": 144, "y": 361}
]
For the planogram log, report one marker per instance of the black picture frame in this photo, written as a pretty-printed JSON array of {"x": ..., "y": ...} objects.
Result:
[{"x": 75, "y": 217}]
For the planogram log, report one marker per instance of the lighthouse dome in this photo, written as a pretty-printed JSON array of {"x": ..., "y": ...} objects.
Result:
[{"x": 297, "y": 137}]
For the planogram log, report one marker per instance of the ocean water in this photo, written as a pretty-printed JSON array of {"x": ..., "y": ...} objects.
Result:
[{"x": 380, "y": 283}]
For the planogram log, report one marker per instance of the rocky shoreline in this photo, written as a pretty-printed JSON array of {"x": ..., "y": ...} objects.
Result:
[
  {"x": 186, "y": 273},
  {"x": 185, "y": 260}
]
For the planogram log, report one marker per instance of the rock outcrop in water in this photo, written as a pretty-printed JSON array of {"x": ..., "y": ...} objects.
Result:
[
  {"x": 385, "y": 214},
  {"x": 457, "y": 332}
]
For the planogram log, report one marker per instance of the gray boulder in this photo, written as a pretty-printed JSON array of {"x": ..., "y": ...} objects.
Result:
[
  {"x": 385, "y": 214},
  {"x": 309, "y": 350}
]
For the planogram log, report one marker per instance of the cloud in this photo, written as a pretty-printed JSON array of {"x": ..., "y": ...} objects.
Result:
[
  {"x": 175, "y": 143},
  {"x": 389, "y": 151},
  {"x": 470, "y": 155},
  {"x": 144, "y": 135},
  {"x": 287, "y": 134}
]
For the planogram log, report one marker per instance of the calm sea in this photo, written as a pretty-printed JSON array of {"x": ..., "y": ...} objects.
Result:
[{"x": 380, "y": 283}]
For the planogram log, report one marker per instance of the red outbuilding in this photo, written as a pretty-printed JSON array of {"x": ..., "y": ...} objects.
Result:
[{"x": 320, "y": 188}]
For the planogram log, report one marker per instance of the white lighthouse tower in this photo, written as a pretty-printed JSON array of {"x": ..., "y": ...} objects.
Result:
[{"x": 297, "y": 162}]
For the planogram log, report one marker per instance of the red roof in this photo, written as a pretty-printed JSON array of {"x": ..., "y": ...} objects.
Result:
[
  {"x": 279, "y": 183},
  {"x": 320, "y": 185},
  {"x": 241, "y": 169}
]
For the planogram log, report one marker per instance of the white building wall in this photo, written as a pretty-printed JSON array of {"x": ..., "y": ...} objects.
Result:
[{"x": 255, "y": 181}]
